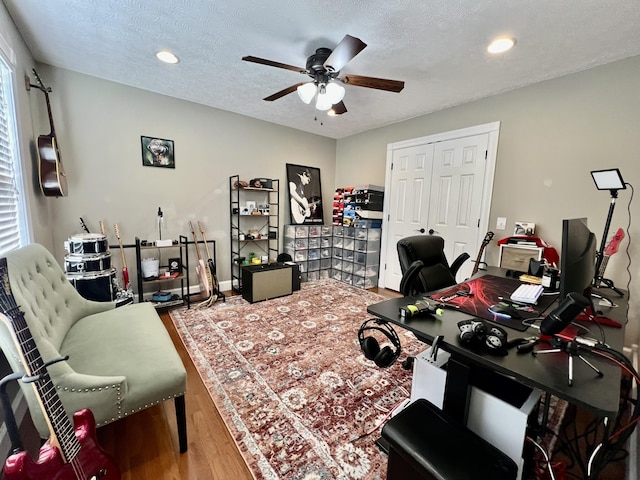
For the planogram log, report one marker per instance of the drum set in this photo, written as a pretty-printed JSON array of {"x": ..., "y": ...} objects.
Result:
[{"x": 88, "y": 267}]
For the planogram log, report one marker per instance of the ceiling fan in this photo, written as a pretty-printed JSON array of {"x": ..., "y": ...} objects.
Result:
[{"x": 324, "y": 69}]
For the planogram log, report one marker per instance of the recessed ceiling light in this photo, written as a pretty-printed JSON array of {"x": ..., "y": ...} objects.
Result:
[
  {"x": 500, "y": 45},
  {"x": 167, "y": 57}
]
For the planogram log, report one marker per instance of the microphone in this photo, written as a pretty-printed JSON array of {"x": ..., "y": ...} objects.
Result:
[{"x": 560, "y": 318}]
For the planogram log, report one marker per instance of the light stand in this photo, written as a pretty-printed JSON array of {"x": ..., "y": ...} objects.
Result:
[{"x": 607, "y": 180}]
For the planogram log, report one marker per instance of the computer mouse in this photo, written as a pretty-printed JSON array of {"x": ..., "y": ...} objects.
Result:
[{"x": 505, "y": 311}]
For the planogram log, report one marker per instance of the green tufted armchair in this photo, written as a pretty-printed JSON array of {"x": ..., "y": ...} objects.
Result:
[{"x": 120, "y": 360}]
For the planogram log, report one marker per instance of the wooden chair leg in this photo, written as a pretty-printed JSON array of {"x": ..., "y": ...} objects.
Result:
[{"x": 181, "y": 417}]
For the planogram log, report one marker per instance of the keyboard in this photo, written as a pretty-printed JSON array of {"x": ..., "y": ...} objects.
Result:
[{"x": 527, "y": 293}]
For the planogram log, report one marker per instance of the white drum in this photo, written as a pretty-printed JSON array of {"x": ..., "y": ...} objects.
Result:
[
  {"x": 98, "y": 286},
  {"x": 87, "y": 263},
  {"x": 86, "y": 243}
]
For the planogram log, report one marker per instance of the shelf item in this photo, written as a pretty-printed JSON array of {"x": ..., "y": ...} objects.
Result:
[
  {"x": 516, "y": 257},
  {"x": 310, "y": 246},
  {"x": 143, "y": 253},
  {"x": 348, "y": 254},
  {"x": 177, "y": 266},
  {"x": 254, "y": 224}
]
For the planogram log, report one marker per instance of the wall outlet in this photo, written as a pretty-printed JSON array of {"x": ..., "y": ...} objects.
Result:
[{"x": 501, "y": 223}]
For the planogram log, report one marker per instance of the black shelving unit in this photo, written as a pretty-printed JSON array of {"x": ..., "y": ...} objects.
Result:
[{"x": 264, "y": 226}]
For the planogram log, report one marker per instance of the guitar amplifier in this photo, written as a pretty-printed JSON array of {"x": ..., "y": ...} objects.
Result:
[{"x": 262, "y": 282}]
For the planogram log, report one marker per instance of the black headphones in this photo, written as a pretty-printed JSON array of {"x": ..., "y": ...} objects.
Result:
[{"x": 384, "y": 357}]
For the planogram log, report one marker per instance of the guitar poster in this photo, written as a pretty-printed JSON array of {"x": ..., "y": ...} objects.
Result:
[{"x": 305, "y": 194}]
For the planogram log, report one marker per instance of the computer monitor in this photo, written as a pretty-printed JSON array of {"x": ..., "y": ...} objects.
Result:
[{"x": 578, "y": 259}]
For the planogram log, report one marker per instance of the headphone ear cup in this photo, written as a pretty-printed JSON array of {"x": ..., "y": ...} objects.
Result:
[
  {"x": 370, "y": 348},
  {"x": 384, "y": 358}
]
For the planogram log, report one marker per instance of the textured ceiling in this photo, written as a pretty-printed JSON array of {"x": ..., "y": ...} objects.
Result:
[{"x": 438, "y": 47}]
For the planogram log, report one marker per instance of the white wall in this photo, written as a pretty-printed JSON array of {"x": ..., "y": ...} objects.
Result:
[
  {"x": 99, "y": 125},
  {"x": 552, "y": 135}
]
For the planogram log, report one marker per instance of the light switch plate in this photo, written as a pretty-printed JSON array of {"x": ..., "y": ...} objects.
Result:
[{"x": 501, "y": 223}]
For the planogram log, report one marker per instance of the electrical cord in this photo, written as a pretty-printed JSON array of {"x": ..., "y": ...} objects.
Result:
[
  {"x": 617, "y": 440},
  {"x": 546, "y": 456},
  {"x": 629, "y": 274}
]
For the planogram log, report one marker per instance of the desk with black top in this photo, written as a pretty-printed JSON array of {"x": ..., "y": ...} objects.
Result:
[{"x": 549, "y": 373}]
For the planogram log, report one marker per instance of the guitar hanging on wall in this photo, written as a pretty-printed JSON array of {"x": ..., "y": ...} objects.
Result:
[{"x": 53, "y": 179}]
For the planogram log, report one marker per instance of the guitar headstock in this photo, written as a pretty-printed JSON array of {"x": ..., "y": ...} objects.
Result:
[
  {"x": 40, "y": 86},
  {"x": 487, "y": 238},
  {"x": 7, "y": 302},
  {"x": 614, "y": 243}
]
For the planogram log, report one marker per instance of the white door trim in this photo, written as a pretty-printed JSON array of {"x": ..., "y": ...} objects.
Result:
[{"x": 492, "y": 129}]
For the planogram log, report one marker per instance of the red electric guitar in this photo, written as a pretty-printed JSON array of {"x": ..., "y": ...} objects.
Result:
[
  {"x": 609, "y": 249},
  {"x": 69, "y": 454},
  {"x": 53, "y": 180}
]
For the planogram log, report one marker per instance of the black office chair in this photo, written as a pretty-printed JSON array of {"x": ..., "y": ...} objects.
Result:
[{"x": 424, "y": 265}]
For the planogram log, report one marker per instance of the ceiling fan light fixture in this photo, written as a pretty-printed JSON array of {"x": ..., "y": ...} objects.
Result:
[
  {"x": 323, "y": 103},
  {"x": 335, "y": 92},
  {"x": 306, "y": 92}
]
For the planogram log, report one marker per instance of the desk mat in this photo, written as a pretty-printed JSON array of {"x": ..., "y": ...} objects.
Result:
[{"x": 482, "y": 292}]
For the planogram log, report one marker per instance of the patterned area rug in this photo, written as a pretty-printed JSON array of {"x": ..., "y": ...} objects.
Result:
[{"x": 291, "y": 383}]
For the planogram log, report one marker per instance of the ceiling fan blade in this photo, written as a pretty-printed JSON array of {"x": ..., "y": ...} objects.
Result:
[
  {"x": 348, "y": 48},
  {"x": 284, "y": 92},
  {"x": 338, "y": 109},
  {"x": 371, "y": 82},
  {"x": 271, "y": 63}
]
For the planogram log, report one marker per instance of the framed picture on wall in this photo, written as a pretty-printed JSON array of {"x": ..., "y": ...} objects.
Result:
[
  {"x": 157, "y": 152},
  {"x": 305, "y": 194}
]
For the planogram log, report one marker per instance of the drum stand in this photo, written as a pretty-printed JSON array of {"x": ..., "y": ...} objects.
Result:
[{"x": 571, "y": 348}]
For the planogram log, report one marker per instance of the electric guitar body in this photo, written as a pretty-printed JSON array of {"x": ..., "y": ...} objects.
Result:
[{"x": 91, "y": 463}]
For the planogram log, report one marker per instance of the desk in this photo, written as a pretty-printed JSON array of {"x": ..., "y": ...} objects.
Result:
[{"x": 546, "y": 372}]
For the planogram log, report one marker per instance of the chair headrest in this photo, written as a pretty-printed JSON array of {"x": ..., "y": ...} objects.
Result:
[{"x": 428, "y": 248}]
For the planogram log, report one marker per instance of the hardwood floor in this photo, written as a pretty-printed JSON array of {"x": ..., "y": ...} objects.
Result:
[{"x": 146, "y": 444}]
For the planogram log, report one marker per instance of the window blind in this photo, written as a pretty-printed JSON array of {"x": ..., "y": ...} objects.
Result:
[{"x": 12, "y": 225}]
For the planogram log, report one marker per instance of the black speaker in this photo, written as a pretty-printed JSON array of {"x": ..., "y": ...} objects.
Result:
[{"x": 383, "y": 357}]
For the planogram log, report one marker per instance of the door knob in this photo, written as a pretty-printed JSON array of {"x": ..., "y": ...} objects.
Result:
[{"x": 421, "y": 230}]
